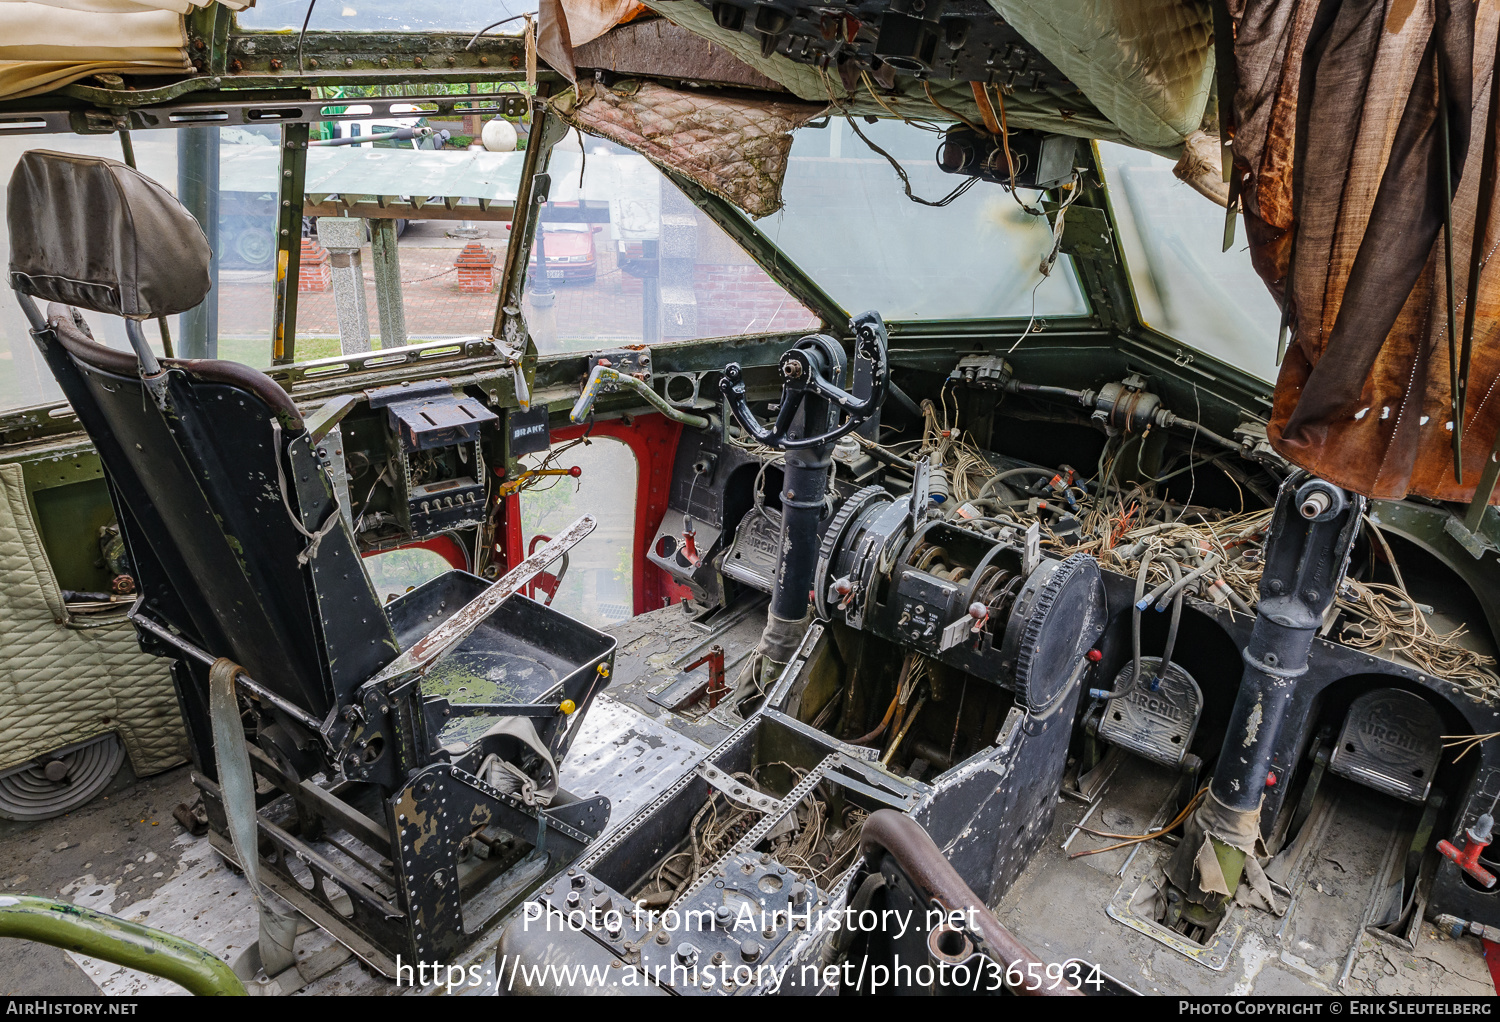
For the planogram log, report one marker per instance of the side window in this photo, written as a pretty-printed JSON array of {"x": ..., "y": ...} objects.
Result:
[
  {"x": 444, "y": 268},
  {"x": 396, "y": 572},
  {"x": 623, "y": 257},
  {"x": 1184, "y": 285},
  {"x": 598, "y": 584}
]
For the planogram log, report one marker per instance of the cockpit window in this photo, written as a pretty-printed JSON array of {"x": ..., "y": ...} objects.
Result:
[
  {"x": 849, "y": 226},
  {"x": 630, "y": 260},
  {"x": 1185, "y": 285},
  {"x": 446, "y": 268},
  {"x": 383, "y": 15}
]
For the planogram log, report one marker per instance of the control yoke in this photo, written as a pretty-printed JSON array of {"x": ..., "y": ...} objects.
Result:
[
  {"x": 813, "y": 368},
  {"x": 807, "y": 425}
]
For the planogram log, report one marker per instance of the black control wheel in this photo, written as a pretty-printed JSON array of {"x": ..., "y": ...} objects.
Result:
[
  {"x": 813, "y": 366},
  {"x": 1058, "y": 617}
]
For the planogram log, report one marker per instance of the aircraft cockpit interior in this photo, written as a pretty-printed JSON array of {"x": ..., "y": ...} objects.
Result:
[{"x": 731, "y": 497}]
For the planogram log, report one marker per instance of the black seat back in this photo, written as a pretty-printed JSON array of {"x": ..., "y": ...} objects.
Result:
[{"x": 192, "y": 454}]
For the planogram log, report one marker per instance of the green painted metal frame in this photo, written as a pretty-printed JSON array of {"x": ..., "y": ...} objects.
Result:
[
  {"x": 112, "y": 939},
  {"x": 523, "y": 225},
  {"x": 289, "y": 201}
]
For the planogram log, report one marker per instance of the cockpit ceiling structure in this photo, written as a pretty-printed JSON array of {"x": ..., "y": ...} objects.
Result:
[{"x": 1356, "y": 228}]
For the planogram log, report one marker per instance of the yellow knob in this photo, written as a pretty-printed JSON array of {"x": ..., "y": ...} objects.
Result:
[
  {"x": 567, "y": 706},
  {"x": 604, "y": 670}
]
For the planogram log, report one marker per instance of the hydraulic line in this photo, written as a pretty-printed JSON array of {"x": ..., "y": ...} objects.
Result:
[
  {"x": 1170, "y": 647},
  {"x": 1180, "y": 585},
  {"x": 911, "y": 719},
  {"x": 1018, "y": 387},
  {"x": 885, "y": 722},
  {"x": 999, "y": 478},
  {"x": 1135, "y": 635}
]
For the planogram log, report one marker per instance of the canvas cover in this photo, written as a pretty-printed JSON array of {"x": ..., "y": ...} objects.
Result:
[
  {"x": 46, "y": 44},
  {"x": 66, "y": 679},
  {"x": 1147, "y": 65},
  {"x": 1346, "y": 223},
  {"x": 734, "y": 146}
]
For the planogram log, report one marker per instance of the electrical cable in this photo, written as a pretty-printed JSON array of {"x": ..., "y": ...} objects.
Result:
[
  {"x": 503, "y": 21},
  {"x": 303, "y": 35}
]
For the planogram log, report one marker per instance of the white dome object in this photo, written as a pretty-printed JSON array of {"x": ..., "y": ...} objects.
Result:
[{"x": 499, "y": 135}]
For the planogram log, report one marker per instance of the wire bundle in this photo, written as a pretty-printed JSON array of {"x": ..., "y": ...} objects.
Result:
[
  {"x": 720, "y": 824},
  {"x": 1384, "y": 617}
]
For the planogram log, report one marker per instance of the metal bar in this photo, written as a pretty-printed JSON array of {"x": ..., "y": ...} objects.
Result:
[
  {"x": 899, "y": 803},
  {"x": 234, "y": 111},
  {"x": 127, "y": 148},
  {"x": 1484, "y": 204},
  {"x": 1224, "y": 71},
  {"x": 48, "y": 118},
  {"x": 457, "y": 628},
  {"x": 1455, "y": 397},
  {"x": 494, "y": 709},
  {"x": 288, "y": 242},
  {"x": 326, "y": 419},
  {"x": 149, "y": 365},
  {"x": 244, "y": 681},
  {"x": 603, "y": 376},
  {"x": 345, "y": 815},
  {"x": 308, "y": 854},
  {"x": 1484, "y": 490},
  {"x": 369, "y": 209},
  {"x": 523, "y": 223},
  {"x": 75, "y": 928},
  {"x": 198, "y": 189}
]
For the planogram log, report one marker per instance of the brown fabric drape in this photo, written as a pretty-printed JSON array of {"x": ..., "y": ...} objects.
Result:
[
  {"x": 1339, "y": 149},
  {"x": 734, "y": 144}
]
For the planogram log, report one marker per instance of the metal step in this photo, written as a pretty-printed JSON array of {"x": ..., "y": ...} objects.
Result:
[
  {"x": 1158, "y": 725},
  {"x": 1391, "y": 741}
]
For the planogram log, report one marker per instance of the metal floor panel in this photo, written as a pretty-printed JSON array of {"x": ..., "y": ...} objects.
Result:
[
  {"x": 1058, "y": 907},
  {"x": 627, "y": 757}
]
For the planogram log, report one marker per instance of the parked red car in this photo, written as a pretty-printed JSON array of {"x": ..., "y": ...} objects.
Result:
[{"x": 570, "y": 252}]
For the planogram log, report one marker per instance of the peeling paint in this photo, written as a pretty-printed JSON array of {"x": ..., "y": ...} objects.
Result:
[{"x": 1252, "y": 726}]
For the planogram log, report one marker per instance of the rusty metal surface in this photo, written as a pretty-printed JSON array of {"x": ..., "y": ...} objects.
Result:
[{"x": 663, "y": 50}]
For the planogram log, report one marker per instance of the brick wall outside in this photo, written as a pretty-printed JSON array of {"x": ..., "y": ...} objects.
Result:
[{"x": 738, "y": 298}]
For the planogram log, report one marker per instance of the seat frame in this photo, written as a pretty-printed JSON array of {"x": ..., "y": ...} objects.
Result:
[{"x": 368, "y": 824}]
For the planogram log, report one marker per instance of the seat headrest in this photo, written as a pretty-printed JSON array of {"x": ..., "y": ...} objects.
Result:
[{"x": 96, "y": 234}]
